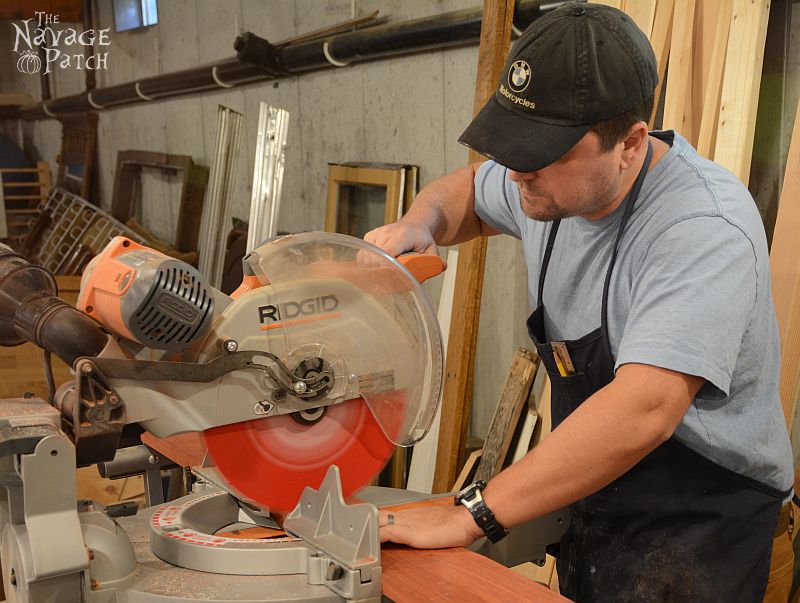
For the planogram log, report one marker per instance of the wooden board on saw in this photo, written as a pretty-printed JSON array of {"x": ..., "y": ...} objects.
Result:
[
  {"x": 785, "y": 270},
  {"x": 456, "y": 574},
  {"x": 507, "y": 414},
  {"x": 411, "y": 575}
]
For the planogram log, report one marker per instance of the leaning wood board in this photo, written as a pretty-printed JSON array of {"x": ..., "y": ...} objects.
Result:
[
  {"x": 460, "y": 363},
  {"x": 678, "y": 99},
  {"x": 785, "y": 269},
  {"x": 660, "y": 39},
  {"x": 467, "y": 475},
  {"x": 506, "y": 415},
  {"x": 710, "y": 112},
  {"x": 642, "y": 12},
  {"x": 740, "y": 87}
]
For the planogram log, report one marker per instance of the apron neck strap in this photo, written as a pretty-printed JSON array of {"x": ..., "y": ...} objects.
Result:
[{"x": 630, "y": 201}]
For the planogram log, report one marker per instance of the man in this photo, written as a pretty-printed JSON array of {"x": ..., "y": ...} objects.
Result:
[{"x": 649, "y": 265}]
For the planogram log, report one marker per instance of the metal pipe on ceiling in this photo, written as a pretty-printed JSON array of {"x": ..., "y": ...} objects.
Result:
[{"x": 257, "y": 60}]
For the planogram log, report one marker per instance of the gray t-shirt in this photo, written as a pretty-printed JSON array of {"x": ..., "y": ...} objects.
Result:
[{"x": 690, "y": 292}]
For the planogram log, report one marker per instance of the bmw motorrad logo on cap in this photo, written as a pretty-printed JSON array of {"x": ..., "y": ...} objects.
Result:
[{"x": 519, "y": 76}]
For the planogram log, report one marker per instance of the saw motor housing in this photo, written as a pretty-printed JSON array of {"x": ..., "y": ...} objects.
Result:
[{"x": 145, "y": 296}]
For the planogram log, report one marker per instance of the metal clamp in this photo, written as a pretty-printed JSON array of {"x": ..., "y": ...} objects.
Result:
[
  {"x": 326, "y": 51},
  {"x": 92, "y": 103},
  {"x": 219, "y": 82},
  {"x": 141, "y": 94}
]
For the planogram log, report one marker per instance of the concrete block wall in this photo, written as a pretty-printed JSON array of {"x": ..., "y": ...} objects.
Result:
[{"x": 404, "y": 110}]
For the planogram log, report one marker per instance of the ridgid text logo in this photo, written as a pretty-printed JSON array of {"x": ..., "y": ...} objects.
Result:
[{"x": 63, "y": 46}]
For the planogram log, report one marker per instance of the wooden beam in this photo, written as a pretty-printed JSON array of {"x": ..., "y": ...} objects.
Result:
[
  {"x": 706, "y": 20},
  {"x": 660, "y": 40},
  {"x": 740, "y": 86},
  {"x": 785, "y": 269},
  {"x": 460, "y": 364},
  {"x": 710, "y": 114},
  {"x": 642, "y": 12},
  {"x": 612, "y": 3},
  {"x": 678, "y": 100},
  {"x": 507, "y": 414}
]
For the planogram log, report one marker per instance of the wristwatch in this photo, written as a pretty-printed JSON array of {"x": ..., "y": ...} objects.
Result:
[{"x": 472, "y": 499}]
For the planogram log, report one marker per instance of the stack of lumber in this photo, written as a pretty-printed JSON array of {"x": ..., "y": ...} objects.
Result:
[{"x": 711, "y": 53}]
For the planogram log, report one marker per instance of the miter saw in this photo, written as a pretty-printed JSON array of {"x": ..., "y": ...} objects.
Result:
[{"x": 302, "y": 382}]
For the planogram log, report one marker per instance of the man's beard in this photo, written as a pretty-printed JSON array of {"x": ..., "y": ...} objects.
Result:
[{"x": 542, "y": 208}]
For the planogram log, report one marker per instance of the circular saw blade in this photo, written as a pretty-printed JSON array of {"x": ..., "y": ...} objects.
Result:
[{"x": 271, "y": 460}]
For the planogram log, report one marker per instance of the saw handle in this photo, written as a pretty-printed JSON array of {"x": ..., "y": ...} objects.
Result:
[{"x": 422, "y": 265}]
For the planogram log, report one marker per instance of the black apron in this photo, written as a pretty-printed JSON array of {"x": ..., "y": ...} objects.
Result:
[{"x": 675, "y": 527}]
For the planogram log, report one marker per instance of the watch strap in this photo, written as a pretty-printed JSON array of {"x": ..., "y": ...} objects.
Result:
[{"x": 481, "y": 513}]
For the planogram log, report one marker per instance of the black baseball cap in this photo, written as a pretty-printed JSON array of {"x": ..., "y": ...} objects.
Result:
[{"x": 575, "y": 66}]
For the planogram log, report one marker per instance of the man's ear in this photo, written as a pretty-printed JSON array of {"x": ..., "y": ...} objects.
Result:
[{"x": 633, "y": 144}]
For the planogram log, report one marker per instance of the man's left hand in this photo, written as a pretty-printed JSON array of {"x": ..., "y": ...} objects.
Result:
[{"x": 430, "y": 527}]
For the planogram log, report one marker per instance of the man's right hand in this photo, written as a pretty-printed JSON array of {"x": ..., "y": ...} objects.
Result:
[{"x": 400, "y": 237}]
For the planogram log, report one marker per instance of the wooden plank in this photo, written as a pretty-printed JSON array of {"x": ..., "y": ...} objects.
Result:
[
  {"x": 185, "y": 449},
  {"x": 785, "y": 269},
  {"x": 506, "y": 415},
  {"x": 541, "y": 574},
  {"x": 423, "y": 461},
  {"x": 660, "y": 40},
  {"x": 705, "y": 27},
  {"x": 495, "y": 37},
  {"x": 397, "y": 468},
  {"x": 543, "y": 426},
  {"x": 642, "y": 12},
  {"x": 740, "y": 86},
  {"x": 526, "y": 437},
  {"x": 468, "y": 470},
  {"x": 710, "y": 114},
  {"x": 412, "y": 575},
  {"x": 678, "y": 100}
]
